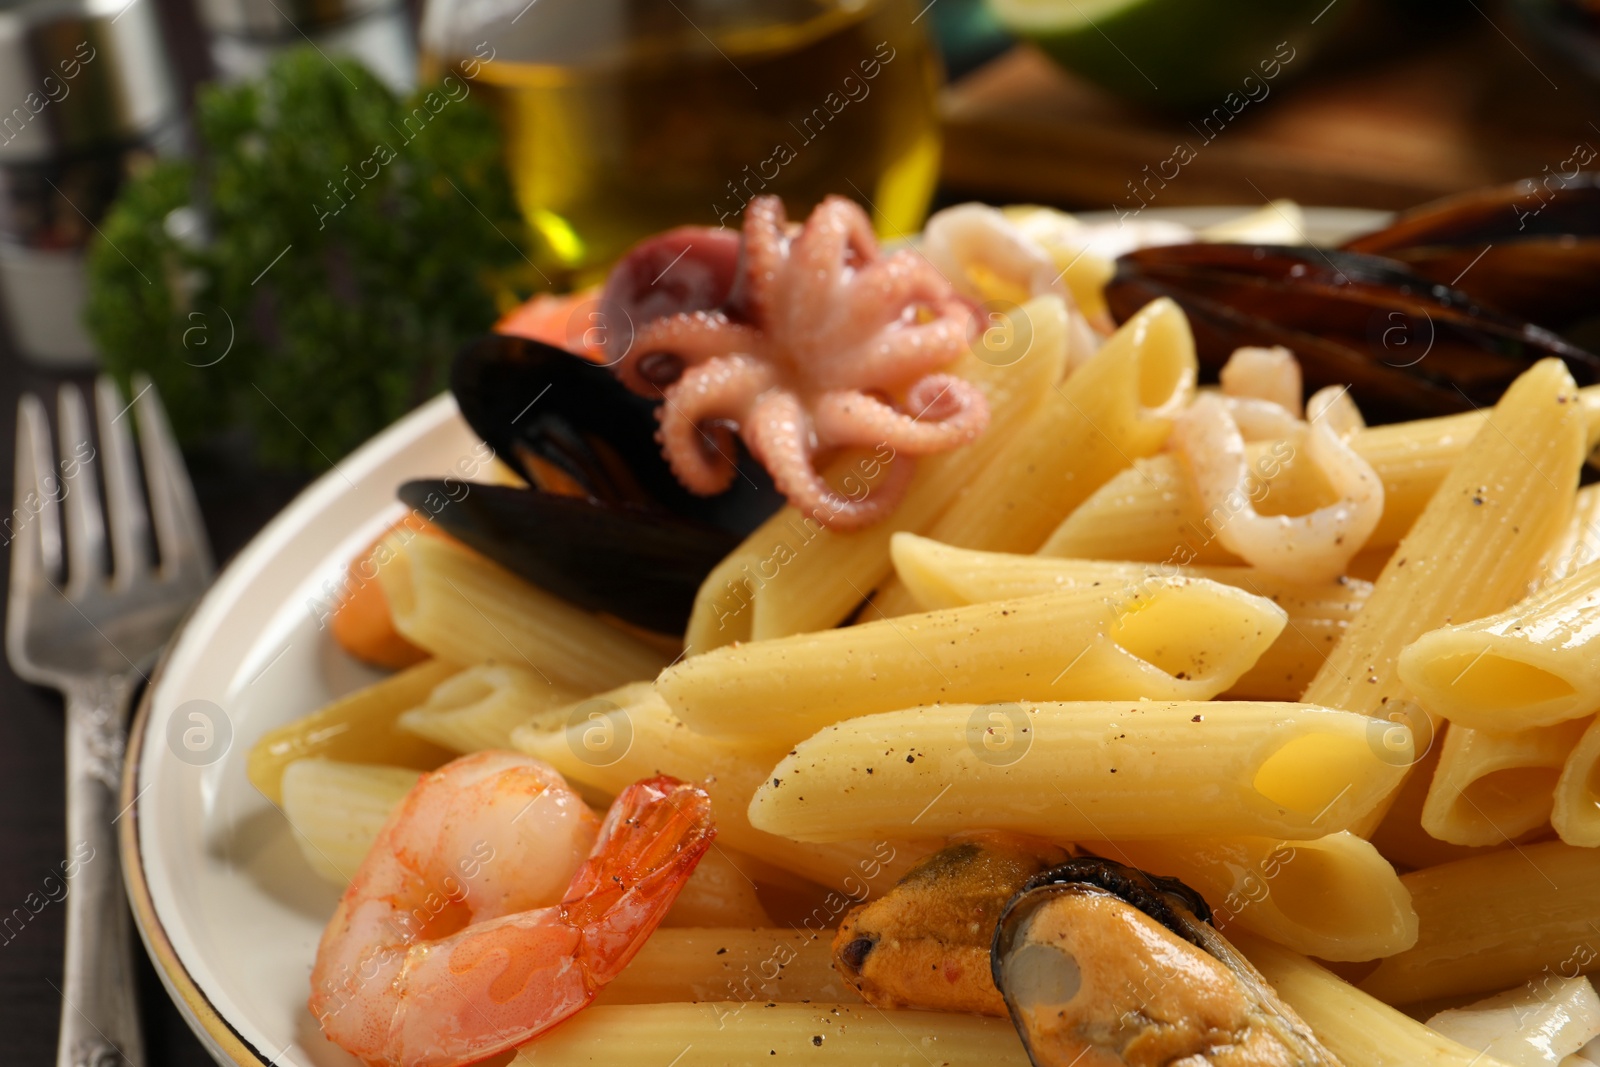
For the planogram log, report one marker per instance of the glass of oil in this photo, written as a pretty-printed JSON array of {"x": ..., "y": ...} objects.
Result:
[{"x": 626, "y": 117}]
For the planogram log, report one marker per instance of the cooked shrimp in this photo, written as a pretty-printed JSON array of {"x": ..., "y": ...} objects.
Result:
[{"x": 476, "y": 922}]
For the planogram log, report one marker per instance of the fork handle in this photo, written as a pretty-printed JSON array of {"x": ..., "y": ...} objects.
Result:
[{"x": 99, "y": 1016}]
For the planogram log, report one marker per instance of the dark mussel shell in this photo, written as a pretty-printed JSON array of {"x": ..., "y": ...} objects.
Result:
[
  {"x": 604, "y": 523},
  {"x": 1530, "y": 248},
  {"x": 1407, "y": 347}
]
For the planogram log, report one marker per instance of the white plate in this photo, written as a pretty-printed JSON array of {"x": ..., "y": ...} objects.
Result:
[{"x": 228, "y": 909}]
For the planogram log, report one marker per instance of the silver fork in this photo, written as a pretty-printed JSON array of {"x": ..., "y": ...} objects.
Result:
[{"x": 91, "y": 634}]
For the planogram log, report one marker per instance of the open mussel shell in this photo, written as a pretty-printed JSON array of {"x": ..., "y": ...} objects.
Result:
[
  {"x": 1530, "y": 248},
  {"x": 640, "y": 565},
  {"x": 1407, "y": 347},
  {"x": 1096, "y": 956},
  {"x": 602, "y": 523},
  {"x": 541, "y": 407}
]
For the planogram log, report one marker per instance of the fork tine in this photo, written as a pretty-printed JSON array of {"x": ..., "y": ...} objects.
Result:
[
  {"x": 85, "y": 522},
  {"x": 37, "y": 489},
  {"x": 32, "y": 530},
  {"x": 130, "y": 524},
  {"x": 180, "y": 532}
]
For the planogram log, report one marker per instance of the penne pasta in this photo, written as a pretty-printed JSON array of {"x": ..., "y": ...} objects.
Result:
[
  {"x": 1115, "y": 408},
  {"x": 637, "y": 736},
  {"x": 478, "y": 708},
  {"x": 1152, "y": 513},
  {"x": 1494, "y": 787},
  {"x": 1489, "y": 922},
  {"x": 1361, "y": 1031},
  {"x": 1108, "y": 770},
  {"x": 461, "y": 607},
  {"x": 1400, "y": 836},
  {"x": 719, "y": 894},
  {"x": 792, "y": 575},
  {"x": 336, "y": 810},
  {"x": 1333, "y": 897},
  {"x": 1536, "y": 663},
  {"x": 942, "y": 576},
  {"x": 723, "y": 1034},
  {"x": 1495, "y": 515},
  {"x": 358, "y": 728},
  {"x": 1576, "y": 812},
  {"x": 1164, "y": 638},
  {"x": 1580, "y": 544},
  {"x": 731, "y": 965}
]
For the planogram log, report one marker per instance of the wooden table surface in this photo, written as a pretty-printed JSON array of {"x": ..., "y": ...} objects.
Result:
[{"x": 1464, "y": 107}]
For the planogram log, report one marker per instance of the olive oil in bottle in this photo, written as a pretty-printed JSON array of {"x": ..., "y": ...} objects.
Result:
[{"x": 626, "y": 117}]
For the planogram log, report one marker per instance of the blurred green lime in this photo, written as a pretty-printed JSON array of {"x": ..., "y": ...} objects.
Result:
[{"x": 1176, "y": 54}]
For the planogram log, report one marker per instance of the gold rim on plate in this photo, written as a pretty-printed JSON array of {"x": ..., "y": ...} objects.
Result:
[{"x": 219, "y": 1038}]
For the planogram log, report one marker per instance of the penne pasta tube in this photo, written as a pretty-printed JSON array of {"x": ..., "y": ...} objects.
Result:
[
  {"x": 1489, "y": 922},
  {"x": 1534, "y": 664},
  {"x": 358, "y": 728},
  {"x": 478, "y": 708},
  {"x": 731, "y": 965},
  {"x": 461, "y": 607},
  {"x": 1361, "y": 1031},
  {"x": 1333, "y": 897},
  {"x": 1116, "y": 407},
  {"x": 336, "y": 810},
  {"x": 1495, "y": 515},
  {"x": 1576, "y": 813},
  {"x": 1164, "y": 638},
  {"x": 1400, "y": 836},
  {"x": 723, "y": 1034},
  {"x": 1494, "y": 787},
  {"x": 718, "y": 893},
  {"x": 1580, "y": 544},
  {"x": 1108, "y": 770},
  {"x": 793, "y": 575},
  {"x": 942, "y": 576},
  {"x": 631, "y": 734},
  {"x": 1152, "y": 513}
]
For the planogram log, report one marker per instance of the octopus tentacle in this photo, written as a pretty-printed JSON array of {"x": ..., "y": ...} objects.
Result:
[
  {"x": 766, "y": 245},
  {"x": 779, "y": 436},
  {"x": 885, "y": 290},
  {"x": 700, "y": 451},
  {"x": 950, "y": 411},
  {"x": 689, "y": 337},
  {"x": 903, "y": 352},
  {"x": 837, "y": 241}
]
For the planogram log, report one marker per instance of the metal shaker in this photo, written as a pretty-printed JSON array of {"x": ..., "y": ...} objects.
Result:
[
  {"x": 86, "y": 95},
  {"x": 246, "y": 34}
]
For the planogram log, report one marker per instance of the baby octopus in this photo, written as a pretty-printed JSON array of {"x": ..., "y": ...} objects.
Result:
[{"x": 821, "y": 342}]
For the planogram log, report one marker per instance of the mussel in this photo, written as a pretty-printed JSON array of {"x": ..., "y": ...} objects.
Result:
[
  {"x": 1406, "y": 346},
  {"x": 1530, "y": 248},
  {"x": 1102, "y": 964},
  {"x": 925, "y": 943},
  {"x": 602, "y": 522}
]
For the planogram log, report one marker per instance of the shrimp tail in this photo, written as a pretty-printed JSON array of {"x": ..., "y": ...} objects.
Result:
[{"x": 653, "y": 836}]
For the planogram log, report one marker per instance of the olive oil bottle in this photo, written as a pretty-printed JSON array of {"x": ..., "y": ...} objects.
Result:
[{"x": 626, "y": 117}]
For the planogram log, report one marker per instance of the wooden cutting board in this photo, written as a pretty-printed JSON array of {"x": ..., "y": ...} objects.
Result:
[{"x": 1472, "y": 109}]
